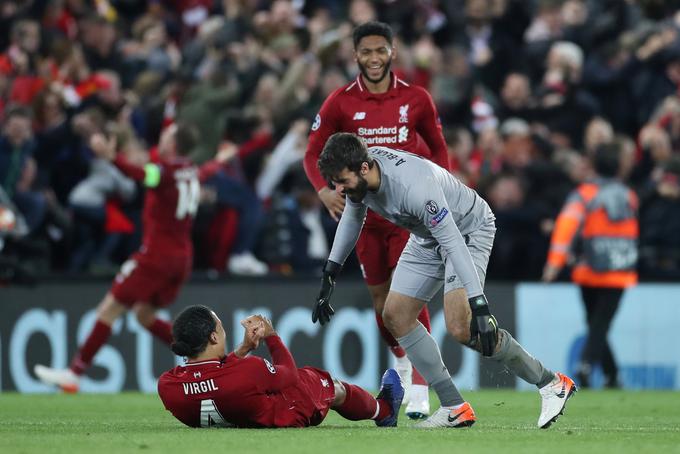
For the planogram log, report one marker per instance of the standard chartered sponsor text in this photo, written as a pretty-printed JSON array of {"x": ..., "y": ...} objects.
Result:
[{"x": 378, "y": 136}]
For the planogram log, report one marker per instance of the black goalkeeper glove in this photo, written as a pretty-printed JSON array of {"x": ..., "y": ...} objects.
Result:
[
  {"x": 483, "y": 325},
  {"x": 323, "y": 311}
]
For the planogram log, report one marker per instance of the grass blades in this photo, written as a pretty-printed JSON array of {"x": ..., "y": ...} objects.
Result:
[{"x": 594, "y": 422}]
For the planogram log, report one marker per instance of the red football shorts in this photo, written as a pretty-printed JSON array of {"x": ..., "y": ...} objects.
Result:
[
  {"x": 378, "y": 251},
  {"x": 319, "y": 391},
  {"x": 151, "y": 280}
]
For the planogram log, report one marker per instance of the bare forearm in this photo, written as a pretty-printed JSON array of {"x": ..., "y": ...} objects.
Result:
[{"x": 242, "y": 351}]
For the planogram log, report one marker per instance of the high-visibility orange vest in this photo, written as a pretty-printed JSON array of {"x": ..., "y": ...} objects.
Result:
[{"x": 602, "y": 214}]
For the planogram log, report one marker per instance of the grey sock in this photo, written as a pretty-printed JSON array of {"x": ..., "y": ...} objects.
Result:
[
  {"x": 521, "y": 363},
  {"x": 425, "y": 356}
]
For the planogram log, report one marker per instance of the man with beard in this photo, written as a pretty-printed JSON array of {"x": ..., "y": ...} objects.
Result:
[
  {"x": 452, "y": 231},
  {"x": 384, "y": 110}
]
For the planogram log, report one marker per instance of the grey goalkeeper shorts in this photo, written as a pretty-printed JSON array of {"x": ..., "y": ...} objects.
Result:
[{"x": 421, "y": 271}]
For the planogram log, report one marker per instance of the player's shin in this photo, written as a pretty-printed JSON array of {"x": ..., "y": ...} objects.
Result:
[
  {"x": 162, "y": 330},
  {"x": 359, "y": 405},
  {"x": 388, "y": 337},
  {"x": 519, "y": 362},
  {"x": 425, "y": 355},
  {"x": 424, "y": 319},
  {"x": 98, "y": 337}
]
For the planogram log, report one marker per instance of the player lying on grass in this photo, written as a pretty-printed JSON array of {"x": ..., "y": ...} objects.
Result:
[{"x": 214, "y": 389}]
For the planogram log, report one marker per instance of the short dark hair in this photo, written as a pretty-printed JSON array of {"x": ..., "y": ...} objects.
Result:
[
  {"x": 191, "y": 330},
  {"x": 18, "y": 111},
  {"x": 19, "y": 28},
  {"x": 342, "y": 150},
  {"x": 607, "y": 159},
  {"x": 372, "y": 28},
  {"x": 672, "y": 165},
  {"x": 186, "y": 138}
]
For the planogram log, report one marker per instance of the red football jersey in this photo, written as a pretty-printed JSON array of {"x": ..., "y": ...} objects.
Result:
[
  {"x": 169, "y": 206},
  {"x": 404, "y": 118},
  {"x": 248, "y": 392}
]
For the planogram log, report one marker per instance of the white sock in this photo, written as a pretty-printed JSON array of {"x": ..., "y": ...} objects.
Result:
[
  {"x": 377, "y": 409},
  {"x": 403, "y": 360}
]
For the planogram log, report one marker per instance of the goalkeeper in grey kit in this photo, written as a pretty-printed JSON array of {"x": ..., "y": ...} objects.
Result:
[{"x": 452, "y": 231}]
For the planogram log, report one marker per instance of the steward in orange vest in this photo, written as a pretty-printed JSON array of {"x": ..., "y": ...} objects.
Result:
[{"x": 598, "y": 227}]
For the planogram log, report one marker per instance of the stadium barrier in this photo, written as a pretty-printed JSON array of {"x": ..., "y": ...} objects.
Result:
[
  {"x": 45, "y": 324},
  {"x": 551, "y": 325}
]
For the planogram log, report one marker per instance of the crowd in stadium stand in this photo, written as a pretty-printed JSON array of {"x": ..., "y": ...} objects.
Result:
[{"x": 526, "y": 91}]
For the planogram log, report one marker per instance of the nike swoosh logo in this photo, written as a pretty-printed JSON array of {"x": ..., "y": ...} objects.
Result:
[
  {"x": 562, "y": 393},
  {"x": 455, "y": 417}
]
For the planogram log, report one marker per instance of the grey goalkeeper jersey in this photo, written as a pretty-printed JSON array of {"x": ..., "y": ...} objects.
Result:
[{"x": 425, "y": 199}]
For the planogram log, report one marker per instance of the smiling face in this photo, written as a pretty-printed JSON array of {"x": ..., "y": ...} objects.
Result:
[
  {"x": 374, "y": 56},
  {"x": 352, "y": 184}
]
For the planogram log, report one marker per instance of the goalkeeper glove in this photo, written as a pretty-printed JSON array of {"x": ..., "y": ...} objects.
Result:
[
  {"x": 323, "y": 311},
  {"x": 483, "y": 325}
]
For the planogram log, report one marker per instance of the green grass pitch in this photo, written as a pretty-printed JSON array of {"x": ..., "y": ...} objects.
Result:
[{"x": 610, "y": 422}]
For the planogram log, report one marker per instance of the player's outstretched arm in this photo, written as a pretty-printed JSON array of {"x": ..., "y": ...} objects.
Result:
[
  {"x": 327, "y": 122},
  {"x": 346, "y": 237},
  {"x": 103, "y": 147},
  {"x": 567, "y": 225}
]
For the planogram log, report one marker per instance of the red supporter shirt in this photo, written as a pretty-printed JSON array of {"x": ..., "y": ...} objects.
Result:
[
  {"x": 169, "y": 206},
  {"x": 246, "y": 392},
  {"x": 404, "y": 118}
]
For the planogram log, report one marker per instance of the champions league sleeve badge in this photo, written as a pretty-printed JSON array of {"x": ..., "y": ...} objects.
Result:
[
  {"x": 437, "y": 216},
  {"x": 317, "y": 122}
]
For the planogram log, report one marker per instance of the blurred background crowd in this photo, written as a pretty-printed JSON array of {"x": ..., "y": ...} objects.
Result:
[{"x": 526, "y": 91}]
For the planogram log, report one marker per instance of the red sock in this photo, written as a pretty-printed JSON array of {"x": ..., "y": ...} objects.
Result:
[
  {"x": 398, "y": 351},
  {"x": 424, "y": 318},
  {"x": 417, "y": 379},
  {"x": 162, "y": 330},
  {"x": 389, "y": 338},
  {"x": 98, "y": 337},
  {"x": 359, "y": 404}
]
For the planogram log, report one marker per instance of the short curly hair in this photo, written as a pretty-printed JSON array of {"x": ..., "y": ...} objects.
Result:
[
  {"x": 342, "y": 150},
  {"x": 372, "y": 28}
]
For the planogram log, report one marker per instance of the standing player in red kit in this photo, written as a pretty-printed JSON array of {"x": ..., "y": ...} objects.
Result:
[
  {"x": 383, "y": 110},
  {"x": 152, "y": 277},
  {"x": 214, "y": 390}
]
